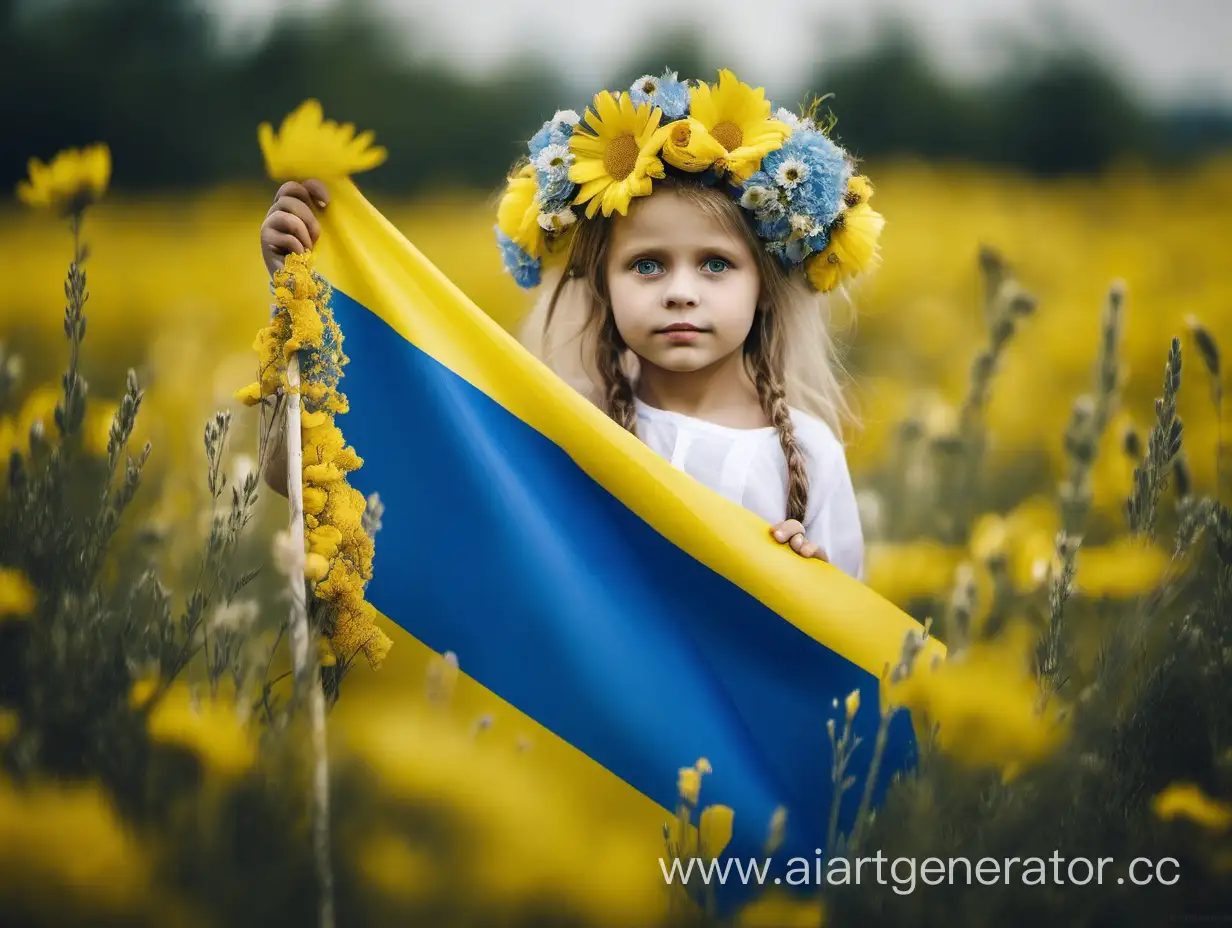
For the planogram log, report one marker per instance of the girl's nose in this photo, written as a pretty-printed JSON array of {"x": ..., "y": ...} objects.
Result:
[{"x": 679, "y": 293}]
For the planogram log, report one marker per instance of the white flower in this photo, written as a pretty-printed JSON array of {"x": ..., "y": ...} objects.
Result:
[
  {"x": 567, "y": 117},
  {"x": 791, "y": 172},
  {"x": 554, "y": 160},
  {"x": 235, "y": 616},
  {"x": 557, "y": 222},
  {"x": 784, "y": 115},
  {"x": 802, "y": 224},
  {"x": 757, "y": 198},
  {"x": 288, "y": 554},
  {"x": 647, "y": 84}
]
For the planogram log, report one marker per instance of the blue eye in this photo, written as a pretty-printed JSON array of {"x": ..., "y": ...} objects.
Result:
[
  {"x": 721, "y": 263},
  {"x": 646, "y": 266}
]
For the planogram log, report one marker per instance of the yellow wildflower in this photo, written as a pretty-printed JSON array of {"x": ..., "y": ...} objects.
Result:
[
  {"x": 315, "y": 567},
  {"x": 309, "y": 145},
  {"x": 852, "y": 704},
  {"x": 1119, "y": 570},
  {"x": 902, "y": 572},
  {"x": 65, "y": 851},
  {"x": 518, "y": 213},
  {"x": 737, "y": 116},
  {"x": 314, "y": 500},
  {"x": 1186, "y": 800},
  {"x": 73, "y": 179},
  {"x": 210, "y": 731},
  {"x": 852, "y": 248},
  {"x": 17, "y": 596},
  {"x": 985, "y": 703},
  {"x": 616, "y": 154},
  {"x": 715, "y": 829},
  {"x": 689, "y": 780},
  {"x": 141, "y": 691},
  {"x": 689, "y": 784}
]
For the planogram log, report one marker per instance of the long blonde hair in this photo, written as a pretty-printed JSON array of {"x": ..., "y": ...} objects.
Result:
[{"x": 790, "y": 353}]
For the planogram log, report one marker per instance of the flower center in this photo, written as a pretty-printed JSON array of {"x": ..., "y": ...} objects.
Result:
[
  {"x": 793, "y": 174},
  {"x": 620, "y": 158},
  {"x": 649, "y": 87},
  {"x": 728, "y": 134}
]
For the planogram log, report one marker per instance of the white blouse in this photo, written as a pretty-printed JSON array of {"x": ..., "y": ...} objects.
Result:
[{"x": 748, "y": 467}]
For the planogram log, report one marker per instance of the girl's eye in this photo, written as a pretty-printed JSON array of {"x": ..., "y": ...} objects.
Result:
[
  {"x": 646, "y": 266},
  {"x": 717, "y": 265}
]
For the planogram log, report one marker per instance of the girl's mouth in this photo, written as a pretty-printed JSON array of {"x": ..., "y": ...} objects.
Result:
[{"x": 681, "y": 332}]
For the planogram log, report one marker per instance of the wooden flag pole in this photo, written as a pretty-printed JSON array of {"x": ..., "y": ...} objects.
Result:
[{"x": 303, "y": 654}]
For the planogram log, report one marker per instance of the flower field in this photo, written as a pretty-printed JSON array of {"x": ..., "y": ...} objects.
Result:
[{"x": 1023, "y": 484}]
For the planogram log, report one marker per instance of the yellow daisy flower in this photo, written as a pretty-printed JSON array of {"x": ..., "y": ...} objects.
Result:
[
  {"x": 518, "y": 213},
  {"x": 616, "y": 160},
  {"x": 309, "y": 145},
  {"x": 853, "y": 240},
  {"x": 738, "y": 117},
  {"x": 75, "y": 178}
]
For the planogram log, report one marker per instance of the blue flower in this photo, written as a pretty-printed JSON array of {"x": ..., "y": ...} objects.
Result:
[
  {"x": 774, "y": 229},
  {"x": 555, "y": 193},
  {"x": 522, "y": 267},
  {"x": 820, "y": 194},
  {"x": 667, "y": 93},
  {"x": 555, "y": 131}
]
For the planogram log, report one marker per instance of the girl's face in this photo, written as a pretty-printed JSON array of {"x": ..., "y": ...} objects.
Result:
[{"x": 683, "y": 288}]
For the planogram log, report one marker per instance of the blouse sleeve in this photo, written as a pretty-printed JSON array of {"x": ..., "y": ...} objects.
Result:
[{"x": 835, "y": 523}]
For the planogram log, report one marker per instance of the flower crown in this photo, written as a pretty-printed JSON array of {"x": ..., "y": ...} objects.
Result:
[{"x": 809, "y": 206}]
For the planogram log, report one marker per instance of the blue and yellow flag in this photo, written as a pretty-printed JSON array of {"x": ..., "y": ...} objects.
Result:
[{"x": 587, "y": 586}]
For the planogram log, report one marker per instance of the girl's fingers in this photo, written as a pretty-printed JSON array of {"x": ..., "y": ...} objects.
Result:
[
  {"x": 280, "y": 243},
  {"x": 787, "y": 530},
  {"x": 316, "y": 189},
  {"x": 792, "y": 532},
  {"x": 304, "y": 212},
  {"x": 815, "y": 551},
  {"x": 313, "y": 192},
  {"x": 291, "y": 223}
]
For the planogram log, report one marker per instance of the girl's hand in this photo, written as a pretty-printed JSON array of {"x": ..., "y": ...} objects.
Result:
[
  {"x": 792, "y": 532},
  {"x": 291, "y": 224}
]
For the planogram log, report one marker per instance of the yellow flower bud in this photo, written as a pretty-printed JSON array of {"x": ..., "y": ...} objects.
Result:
[
  {"x": 688, "y": 146},
  {"x": 853, "y": 704}
]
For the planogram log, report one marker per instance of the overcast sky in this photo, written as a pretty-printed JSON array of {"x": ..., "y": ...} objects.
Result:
[{"x": 1167, "y": 49}]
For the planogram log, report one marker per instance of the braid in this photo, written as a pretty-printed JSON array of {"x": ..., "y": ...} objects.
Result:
[
  {"x": 617, "y": 390},
  {"x": 773, "y": 398}
]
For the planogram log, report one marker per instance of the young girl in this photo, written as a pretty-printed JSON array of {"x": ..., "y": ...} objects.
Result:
[{"x": 683, "y": 240}]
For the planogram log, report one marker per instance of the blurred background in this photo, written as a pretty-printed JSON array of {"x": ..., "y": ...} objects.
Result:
[{"x": 1086, "y": 141}]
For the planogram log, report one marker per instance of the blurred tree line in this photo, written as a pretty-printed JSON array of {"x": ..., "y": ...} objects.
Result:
[{"x": 179, "y": 107}]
